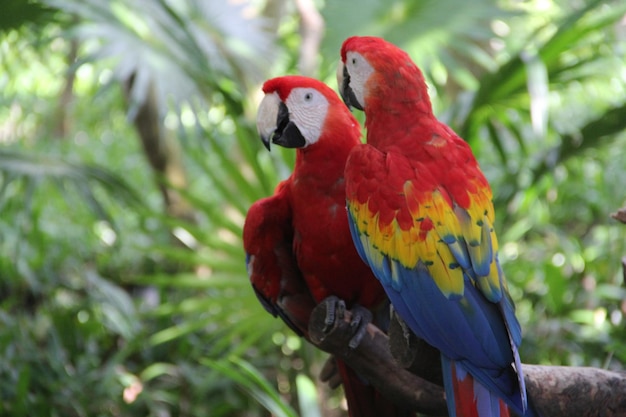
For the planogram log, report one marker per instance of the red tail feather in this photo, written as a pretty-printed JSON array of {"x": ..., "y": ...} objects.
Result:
[
  {"x": 466, "y": 397},
  {"x": 364, "y": 400}
]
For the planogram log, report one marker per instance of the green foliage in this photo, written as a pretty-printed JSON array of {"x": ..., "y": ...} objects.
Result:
[
  {"x": 155, "y": 315},
  {"x": 438, "y": 41},
  {"x": 523, "y": 114},
  {"x": 254, "y": 384},
  {"x": 17, "y": 13}
]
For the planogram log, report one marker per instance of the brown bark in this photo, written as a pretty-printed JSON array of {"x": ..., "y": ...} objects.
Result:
[
  {"x": 372, "y": 360},
  {"x": 576, "y": 391},
  {"x": 413, "y": 353},
  {"x": 555, "y": 390},
  {"x": 620, "y": 215},
  {"x": 163, "y": 155},
  {"x": 62, "y": 126}
]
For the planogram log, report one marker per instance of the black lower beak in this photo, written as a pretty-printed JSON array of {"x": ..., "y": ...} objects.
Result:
[
  {"x": 346, "y": 92},
  {"x": 287, "y": 133}
]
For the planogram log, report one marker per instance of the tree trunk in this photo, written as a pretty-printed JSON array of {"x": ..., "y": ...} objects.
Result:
[
  {"x": 62, "y": 123},
  {"x": 163, "y": 154}
]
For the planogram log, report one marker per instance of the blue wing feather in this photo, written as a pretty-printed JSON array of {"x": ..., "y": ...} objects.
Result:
[
  {"x": 446, "y": 368},
  {"x": 482, "y": 254},
  {"x": 464, "y": 329},
  {"x": 356, "y": 238},
  {"x": 476, "y": 327},
  {"x": 467, "y": 329},
  {"x": 459, "y": 250}
]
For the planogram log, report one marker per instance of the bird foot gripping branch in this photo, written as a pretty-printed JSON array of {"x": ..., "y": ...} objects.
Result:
[
  {"x": 413, "y": 353},
  {"x": 336, "y": 319}
]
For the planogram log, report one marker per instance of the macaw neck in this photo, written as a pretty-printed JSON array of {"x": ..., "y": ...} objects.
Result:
[
  {"x": 396, "y": 111},
  {"x": 326, "y": 157},
  {"x": 388, "y": 125}
]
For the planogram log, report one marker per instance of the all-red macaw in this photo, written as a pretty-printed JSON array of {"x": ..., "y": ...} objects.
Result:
[
  {"x": 421, "y": 215},
  {"x": 298, "y": 243}
]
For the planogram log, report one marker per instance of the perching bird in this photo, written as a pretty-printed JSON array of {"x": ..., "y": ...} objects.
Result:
[
  {"x": 421, "y": 215},
  {"x": 298, "y": 243}
]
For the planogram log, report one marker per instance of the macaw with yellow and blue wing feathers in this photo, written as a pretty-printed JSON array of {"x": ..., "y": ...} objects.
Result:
[{"x": 421, "y": 215}]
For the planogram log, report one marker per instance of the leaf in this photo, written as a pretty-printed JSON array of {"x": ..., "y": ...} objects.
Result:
[
  {"x": 22, "y": 165},
  {"x": 185, "y": 50},
  {"x": 177, "y": 331},
  {"x": 494, "y": 137},
  {"x": 116, "y": 305},
  {"x": 253, "y": 383},
  {"x": 155, "y": 370},
  {"x": 18, "y": 13},
  {"x": 603, "y": 127},
  {"x": 307, "y": 397}
]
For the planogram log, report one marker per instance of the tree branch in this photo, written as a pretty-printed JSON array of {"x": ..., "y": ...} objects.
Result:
[
  {"x": 620, "y": 215},
  {"x": 373, "y": 361},
  {"x": 62, "y": 126},
  {"x": 555, "y": 390},
  {"x": 162, "y": 151}
]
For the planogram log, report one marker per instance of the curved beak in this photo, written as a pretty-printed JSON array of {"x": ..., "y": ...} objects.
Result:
[
  {"x": 266, "y": 118},
  {"x": 274, "y": 125},
  {"x": 343, "y": 83}
]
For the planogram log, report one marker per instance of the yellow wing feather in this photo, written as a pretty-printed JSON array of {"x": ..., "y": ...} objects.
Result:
[{"x": 444, "y": 237}]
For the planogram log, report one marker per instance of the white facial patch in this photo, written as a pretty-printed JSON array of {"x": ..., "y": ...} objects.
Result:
[
  {"x": 360, "y": 71},
  {"x": 307, "y": 109}
]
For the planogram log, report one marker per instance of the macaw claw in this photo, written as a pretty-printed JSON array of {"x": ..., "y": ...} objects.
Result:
[
  {"x": 361, "y": 317},
  {"x": 358, "y": 316},
  {"x": 335, "y": 310}
]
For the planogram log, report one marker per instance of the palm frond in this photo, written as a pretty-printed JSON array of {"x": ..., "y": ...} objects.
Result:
[
  {"x": 253, "y": 383},
  {"x": 186, "y": 49},
  {"x": 607, "y": 125},
  {"x": 34, "y": 169}
]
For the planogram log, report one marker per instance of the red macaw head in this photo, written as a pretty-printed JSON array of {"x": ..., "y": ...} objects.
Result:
[
  {"x": 296, "y": 110},
  {"x": 372, "y": 68}
]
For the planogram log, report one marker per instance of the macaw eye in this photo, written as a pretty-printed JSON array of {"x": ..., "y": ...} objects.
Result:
[
  {"x": 308, "y": 97},
  {"x": 353, "y": 61}
]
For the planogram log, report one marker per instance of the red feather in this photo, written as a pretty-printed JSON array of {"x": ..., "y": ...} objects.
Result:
[
  {"x": 299, "y": 245},
  {"x": 422, "y": 216},
  {"x": 465, "y": 397}
]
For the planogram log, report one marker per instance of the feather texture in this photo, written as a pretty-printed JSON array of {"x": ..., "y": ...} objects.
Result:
[
  {"x": 298, "y": 244},
  {"x": 421, "y": 215}
]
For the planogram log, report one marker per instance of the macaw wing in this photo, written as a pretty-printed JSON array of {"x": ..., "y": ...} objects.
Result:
[
  {"x": 271, "y": 264},
  {"x": 432, "y": 245}
]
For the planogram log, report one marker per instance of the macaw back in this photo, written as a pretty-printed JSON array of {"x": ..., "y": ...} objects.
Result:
[{"x": 421, "y": 214}]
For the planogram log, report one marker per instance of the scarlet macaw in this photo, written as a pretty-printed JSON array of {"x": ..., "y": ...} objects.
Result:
[
  {"x": 421, "y": 215},
  {"x": 298, "y": 244}
]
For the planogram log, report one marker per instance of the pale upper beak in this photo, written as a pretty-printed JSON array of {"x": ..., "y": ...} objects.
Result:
[
  {"x": 274, "y": 125},
  {"x": 267, "y": 117}
]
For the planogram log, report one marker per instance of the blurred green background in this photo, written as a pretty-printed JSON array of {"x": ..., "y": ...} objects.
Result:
[{"x": 129, "y": 157}]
